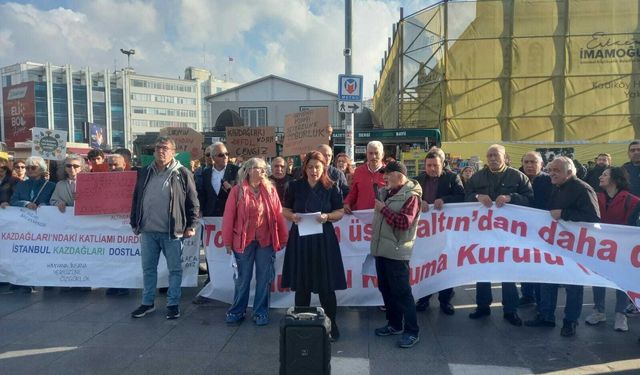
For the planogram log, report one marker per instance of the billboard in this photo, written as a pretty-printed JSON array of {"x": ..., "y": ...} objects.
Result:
[
  {"x": 19, "y": 108},
  {"x": 97, "y": 135}
]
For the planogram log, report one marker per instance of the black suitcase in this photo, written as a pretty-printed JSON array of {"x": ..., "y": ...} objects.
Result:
[{"x": 305, "y": 348}]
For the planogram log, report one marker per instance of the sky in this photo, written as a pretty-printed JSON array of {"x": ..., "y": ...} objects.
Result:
[{"x": 301, "y": 40}]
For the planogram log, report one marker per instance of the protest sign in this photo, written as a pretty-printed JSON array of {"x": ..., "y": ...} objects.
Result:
[
  {"x": 49, "y": 248},
  {"x": 186, "y": 139},
  {"x": 304, "y": 131},
  {"x": 463, "y": 244},
  {"x": 104, "y": 193},
  {"x": 49, "y": 144},
  {"x": 251, "y": 142}
]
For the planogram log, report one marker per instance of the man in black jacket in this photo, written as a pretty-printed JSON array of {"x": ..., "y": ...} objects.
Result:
[
  {"x": 572, "y": 200},
  {"x": 439, "y": 186},
  {"x": 164, "y": 211},
  {"x": 502, "y": 184}
]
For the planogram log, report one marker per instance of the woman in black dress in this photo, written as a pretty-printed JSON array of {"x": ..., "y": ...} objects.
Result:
[{"x": 313, "y": 264}]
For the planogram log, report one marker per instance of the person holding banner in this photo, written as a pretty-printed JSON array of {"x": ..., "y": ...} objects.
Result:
[
  {"x": 164, "y": 211},
  {"x": 616, "y": 204},
  {"x": 572, "y": 200},
  {"x": 439, "y": 186},
  {"x": 64, "y": 194},
  {"x": 501, "y": 184},
  {"x": 253, "y": 228},
  {"x": 35, "y": 191},
  {"x": 395, "y": 225},
  {"x": 313, "y": 263}
]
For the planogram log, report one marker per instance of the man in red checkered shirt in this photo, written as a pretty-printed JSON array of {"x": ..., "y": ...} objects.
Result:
[{"x": 395, "y": 223}]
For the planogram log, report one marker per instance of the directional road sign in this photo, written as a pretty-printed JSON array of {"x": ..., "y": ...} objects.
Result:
[
  {"x": 349, "y": 88},
  {"x": 349, "y": 107}
]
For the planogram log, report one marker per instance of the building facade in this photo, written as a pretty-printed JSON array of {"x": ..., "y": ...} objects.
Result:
[
  {"x": 121, "y": 104},
  {"x": 515, "y": 71}
]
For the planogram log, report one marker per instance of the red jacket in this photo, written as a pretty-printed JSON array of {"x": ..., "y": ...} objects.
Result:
[
  {"x": 234, "y": 222},
  {"x": 361, "y": 196},
  {"x": 619, "y": 208}
]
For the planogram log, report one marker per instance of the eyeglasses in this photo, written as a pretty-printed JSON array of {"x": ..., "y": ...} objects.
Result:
[
  {"x": 74, "y": 166},
  {"x": 163, "y": 148},
  {"x": 32, "y": 167},
  {"x": 222, "y": 154},
  {"x": 19, "y": 167}
]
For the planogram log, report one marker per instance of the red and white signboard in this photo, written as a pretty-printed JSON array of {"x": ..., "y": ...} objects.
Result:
[{"x": 19, "y": 108}]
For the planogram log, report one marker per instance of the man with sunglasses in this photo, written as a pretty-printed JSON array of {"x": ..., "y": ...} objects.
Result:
[
  {"x": 217, "y": 181},
  {"x": 164, "y": 212}
]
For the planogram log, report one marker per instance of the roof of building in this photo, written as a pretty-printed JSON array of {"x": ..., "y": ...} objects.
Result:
[{"x": 265, "y": 78}]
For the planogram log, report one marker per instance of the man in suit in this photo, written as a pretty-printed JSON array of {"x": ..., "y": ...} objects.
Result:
[
  {"x": 217, "y": 181},
  {"x": 439, "y": 186}
]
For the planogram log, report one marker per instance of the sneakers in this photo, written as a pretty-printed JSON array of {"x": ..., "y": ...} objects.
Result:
[
  {"x": 595, "y": 317},
  {"x": 387, "y": 331},
  {"x": 539, "y": 321},
  {"x": 621, "y": 323},
  {"x": 408, "y": 340},
  {"x": 142, "y": 311},
  {"x": 480, "y": 313},
  {"x": 233, "y": 319},
  {"x": 261, "y": 320},
  {"x": 513, "y": 319},
  {"x": 173, "y": 312},
  {"x": 568, "y": 328}
]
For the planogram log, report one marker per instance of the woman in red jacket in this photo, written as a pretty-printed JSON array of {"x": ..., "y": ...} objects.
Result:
[
  {"x": 616, "y": 204},
  {"x": 253, "y": 228}
]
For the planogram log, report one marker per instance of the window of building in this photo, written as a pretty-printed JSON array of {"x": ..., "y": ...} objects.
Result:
[{"x": 254, "y": 117}]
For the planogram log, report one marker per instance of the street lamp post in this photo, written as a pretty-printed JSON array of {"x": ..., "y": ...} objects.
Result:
[{"x": 128, "y": 53}]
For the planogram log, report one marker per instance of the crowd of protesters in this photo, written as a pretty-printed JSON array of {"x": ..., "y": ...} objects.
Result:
[{"x": 255, "y": 199}]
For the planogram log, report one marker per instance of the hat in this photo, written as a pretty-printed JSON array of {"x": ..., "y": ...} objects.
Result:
[
  {"x": 395, "y": 166},
  {"x": 4, "y": 155}
]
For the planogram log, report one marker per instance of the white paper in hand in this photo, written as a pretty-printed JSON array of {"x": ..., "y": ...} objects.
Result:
[{"x": 309, "y": 224}]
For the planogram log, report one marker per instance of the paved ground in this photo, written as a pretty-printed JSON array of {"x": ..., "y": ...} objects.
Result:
[{"x": 58, "y": 332}]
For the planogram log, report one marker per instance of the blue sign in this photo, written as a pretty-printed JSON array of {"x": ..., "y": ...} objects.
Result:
[{"x": 350, "y": 88}]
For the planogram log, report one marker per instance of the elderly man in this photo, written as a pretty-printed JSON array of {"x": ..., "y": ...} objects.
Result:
[
  {"x": 439, "y": 186},
  {"x": 334, "y": 173},
  {"x": 395, "y": 225},
  {"x": 164, "y": 211},
  {"x": 532, "y": 164},
  {"x": 117, "y": 163},
  {"x": 501, "y": 184},
  {"x": 571, "y": 200},
  {"x": 367, "y": 178},
  {"x": 279, "y": 177}
]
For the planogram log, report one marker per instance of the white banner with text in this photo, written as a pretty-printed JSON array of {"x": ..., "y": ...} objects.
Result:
[
  {"x": 462, "y": 244},
  {"x": 49, "y": 248}
]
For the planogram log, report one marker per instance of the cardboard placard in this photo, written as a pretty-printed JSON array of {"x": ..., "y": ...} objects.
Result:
[
  {"x": 186, "y": 139},
  {"x": 304, "y": 131},
  {"x": 104, "y": 193},
  {"x": 251, "y": 142},
  {"x": 49, "y": 144}
]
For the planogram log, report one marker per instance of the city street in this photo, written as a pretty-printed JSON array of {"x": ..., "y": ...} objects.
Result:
[{"x": 75, "y": 332}]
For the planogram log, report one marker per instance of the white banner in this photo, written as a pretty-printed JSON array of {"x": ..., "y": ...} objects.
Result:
[
  {"x": 463, "y": 244},
  {"x": 49, "y": 248}
]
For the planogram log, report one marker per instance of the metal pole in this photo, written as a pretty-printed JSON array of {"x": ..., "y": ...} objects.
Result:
[{"x": 348, "y": 52}]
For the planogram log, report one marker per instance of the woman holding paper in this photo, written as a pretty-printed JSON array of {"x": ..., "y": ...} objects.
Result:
[
  {"x": 312, "y": 263},
  {"x": 616, "y": 205},
  {"x": 253, "y": 228},
  {"x": 64, "y": 194}
]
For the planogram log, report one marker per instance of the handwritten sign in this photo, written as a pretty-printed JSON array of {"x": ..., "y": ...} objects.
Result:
[
  {"x": 304, "y": 131},
  {"x": 104, "y": 193},
  {"x": 186, "y": 139},
  {"x": 251, "y": 142},
  {"x": 49, "y": 144}
]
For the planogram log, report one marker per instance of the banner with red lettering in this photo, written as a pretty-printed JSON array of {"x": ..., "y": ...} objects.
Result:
[
  {"x": 465, "y": 243},
  {"x": 49, "y": 248}
]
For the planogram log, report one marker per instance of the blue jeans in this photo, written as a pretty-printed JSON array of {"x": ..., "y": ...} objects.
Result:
[
  {"x": 549, "y": 301},
  {"x": 598, "y": 299},
  {"x": 151, "y": 244},
  {"x": 263, "y": 258}
]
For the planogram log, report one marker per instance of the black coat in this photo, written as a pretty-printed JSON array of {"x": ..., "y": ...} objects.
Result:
[
  {"x": 212, "y": 204},
  {"x": 577, "y": 200},
  {"x": 450, "y": 188}
]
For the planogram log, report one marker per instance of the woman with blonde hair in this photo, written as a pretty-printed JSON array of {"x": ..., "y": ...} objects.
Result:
[{"x": 253, "y": 228}]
